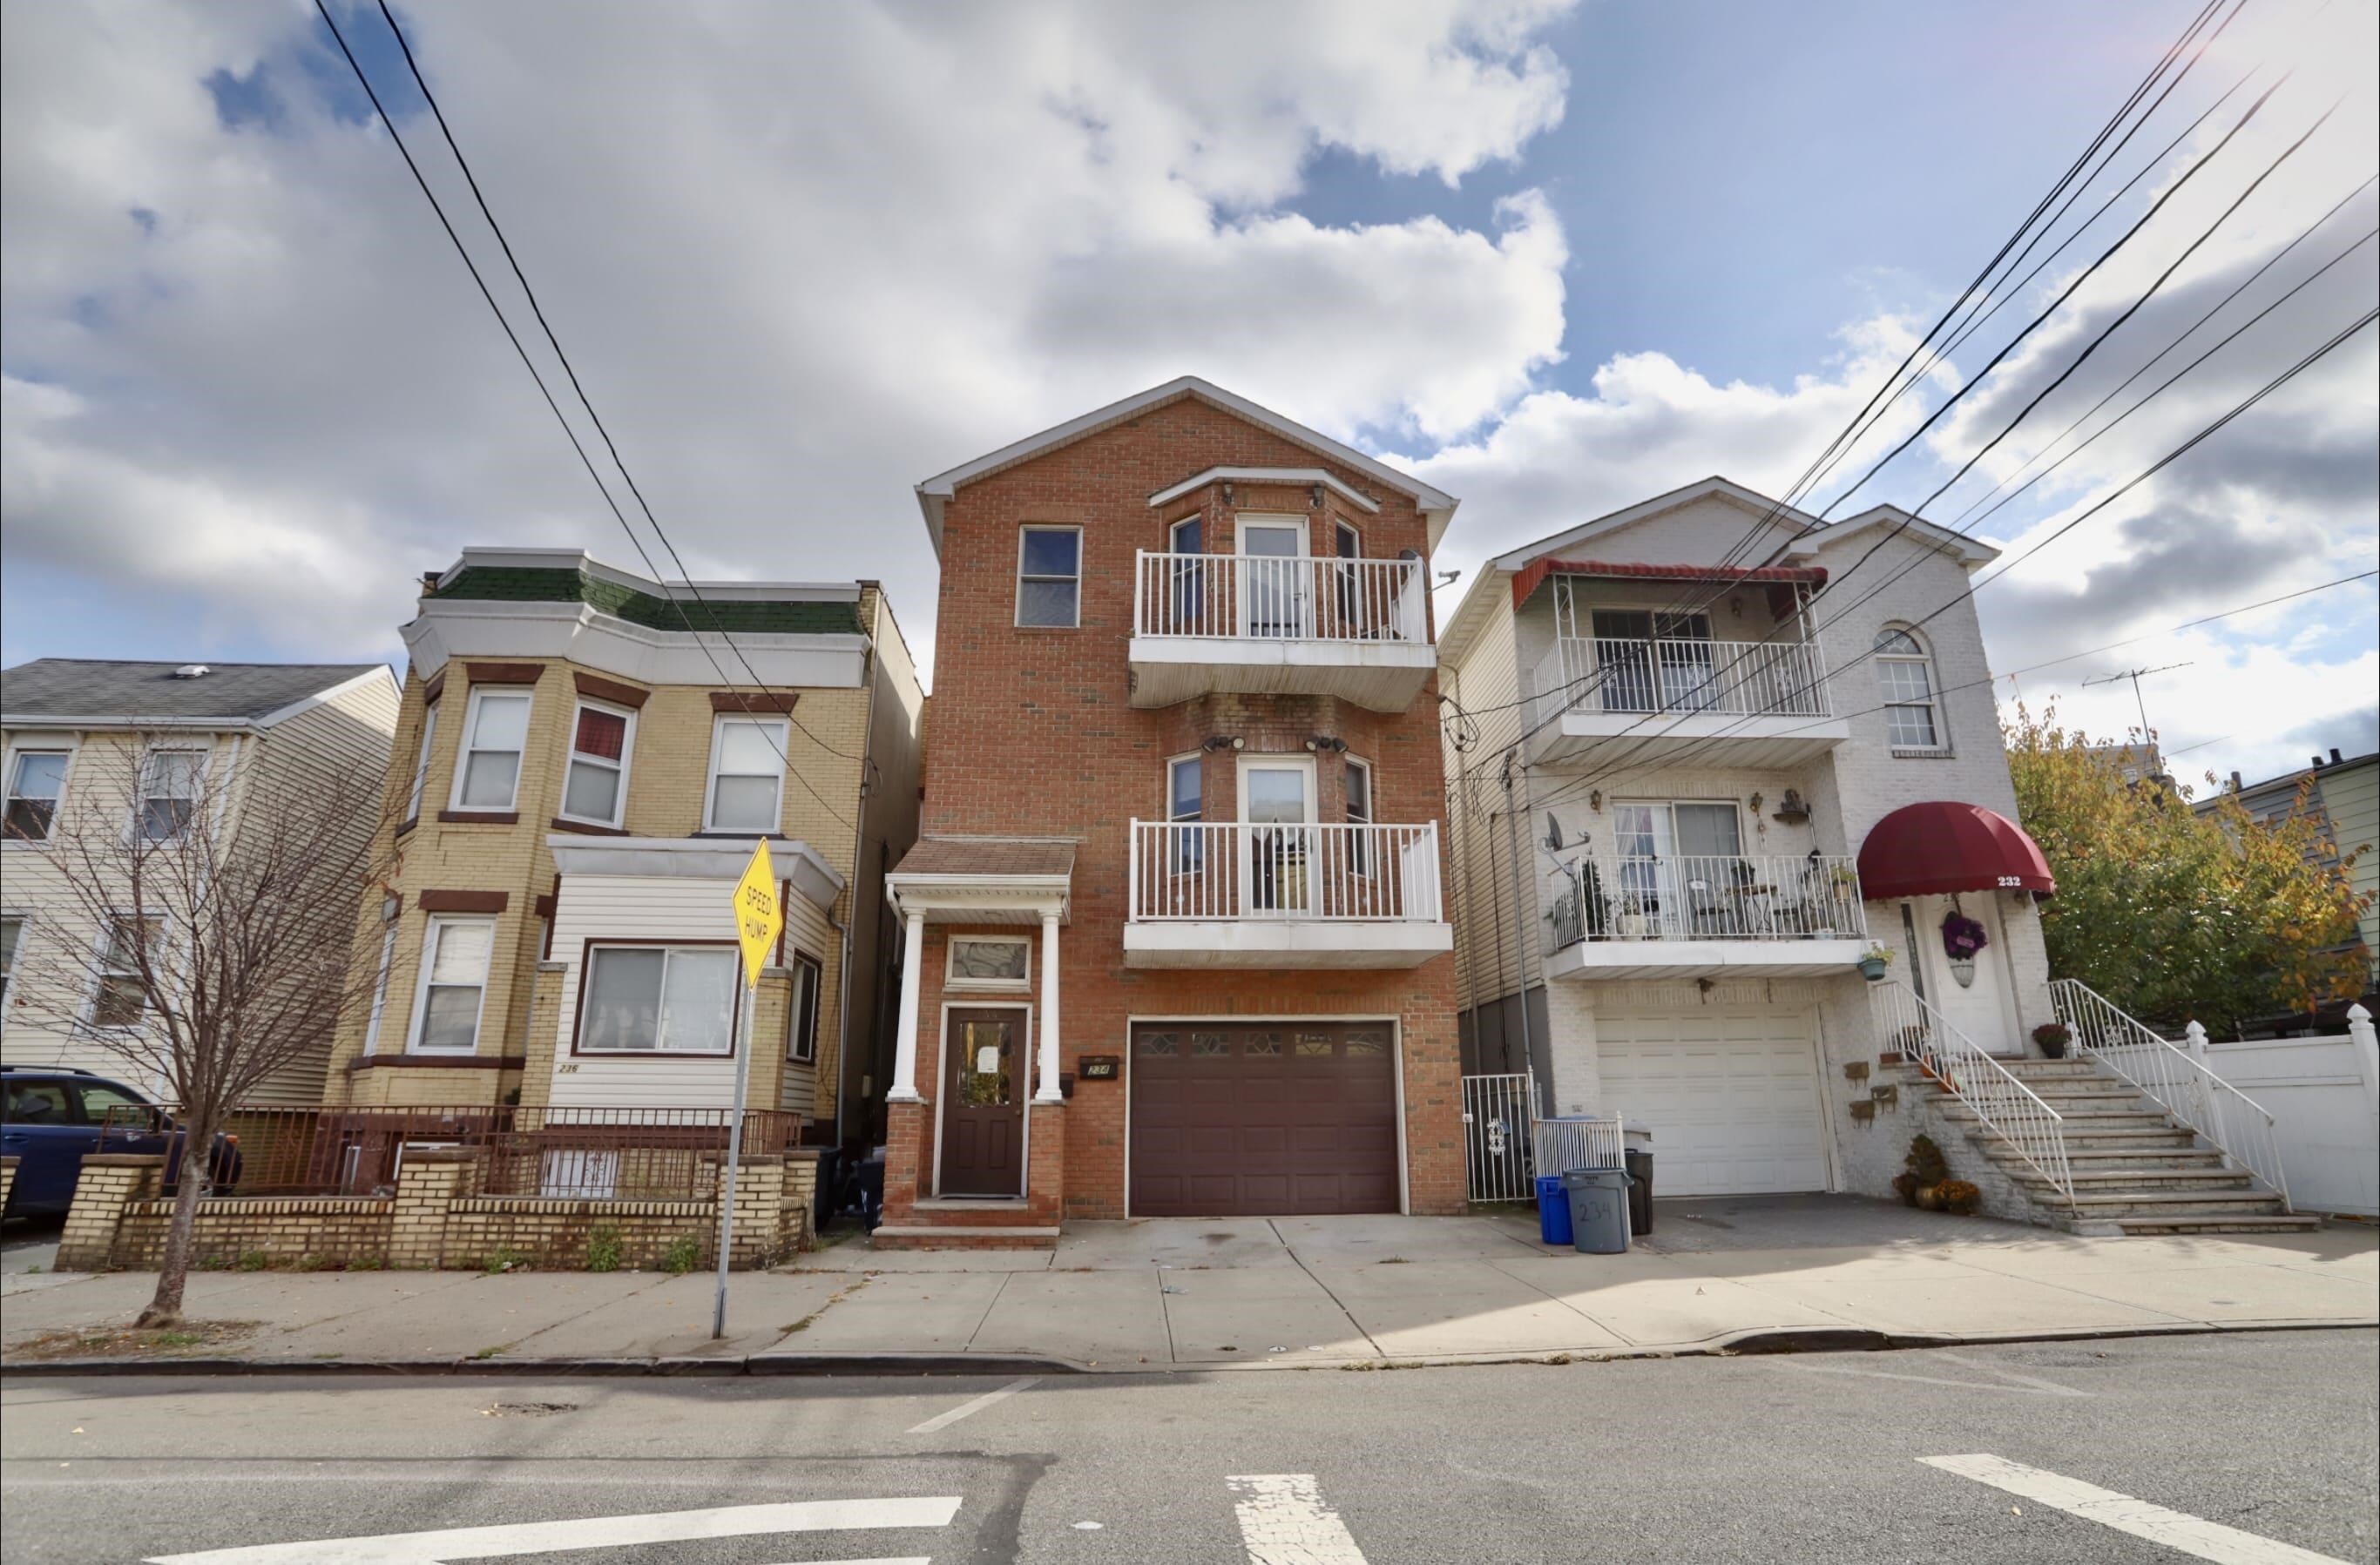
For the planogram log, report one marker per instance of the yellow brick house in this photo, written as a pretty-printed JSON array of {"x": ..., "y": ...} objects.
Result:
[{"x": 584, "y": 760}]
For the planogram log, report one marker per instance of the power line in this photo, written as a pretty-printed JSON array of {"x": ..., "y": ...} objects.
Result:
[{"x": 552, "y": 405}]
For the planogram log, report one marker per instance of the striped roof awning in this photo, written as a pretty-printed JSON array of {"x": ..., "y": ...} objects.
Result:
[{"x": 1533, "y": 576}]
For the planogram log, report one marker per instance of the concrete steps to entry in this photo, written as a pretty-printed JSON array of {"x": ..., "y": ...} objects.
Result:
[{"x": 2135, "y": 1169}]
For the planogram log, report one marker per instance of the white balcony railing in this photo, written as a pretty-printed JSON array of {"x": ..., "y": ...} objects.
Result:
[
  {"x": 1215, "y": 870},
  {"x": 1776, "y": 897},
  {"x": 1722, "y": 678},
  {"x": 1259, "y": 597}
]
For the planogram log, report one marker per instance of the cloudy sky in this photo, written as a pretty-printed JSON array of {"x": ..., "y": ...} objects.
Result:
[{"x": 1555, "y": 257}]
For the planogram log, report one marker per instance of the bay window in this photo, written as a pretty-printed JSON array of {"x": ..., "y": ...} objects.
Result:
[
  {"x": 455, "y": 956},
  {"x": 595, "y": 788},
  {"x": 495, "y": 732},
  {"x": 748, "y": 775}
]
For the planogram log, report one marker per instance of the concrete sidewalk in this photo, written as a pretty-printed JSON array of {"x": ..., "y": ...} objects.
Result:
[{"x": 1344, "y": 1291}]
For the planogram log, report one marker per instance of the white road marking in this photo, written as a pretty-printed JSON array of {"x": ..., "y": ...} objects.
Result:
[
  {"x": 2174, "y": 1529},
  {"x": 593, "y": 1532},
  {"x": 1283, "y": 1522},
  {"x": 2009, "y": 1379},
  {"x": 943, "y": 1420}
]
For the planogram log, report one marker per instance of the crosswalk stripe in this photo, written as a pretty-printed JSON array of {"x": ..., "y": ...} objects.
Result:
[
  {"x": 592, "y": 1532},
  {"x": 943, "y": 1420},
  {"x": 1283, "y": 1522},
  {"x": 2175, "y": 1529}
]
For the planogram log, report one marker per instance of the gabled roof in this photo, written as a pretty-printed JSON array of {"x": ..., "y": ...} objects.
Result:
[
  {"x": 109, "y": 693},
  {"x": 1754, "y": 504},
  {"x": 1436, "y": 508},
  {"x": 1968, "y": 550}
]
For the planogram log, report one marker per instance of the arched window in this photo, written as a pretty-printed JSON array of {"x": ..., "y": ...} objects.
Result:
[{"x": 1912, "y": 715}]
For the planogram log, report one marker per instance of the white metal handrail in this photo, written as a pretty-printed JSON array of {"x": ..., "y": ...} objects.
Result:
[
  {"x": 2007, "y": 1107},
  {"x": 1572, "y": 1141},
  {"x": 1292, "y": 871},
  {"x": 1727, "y": 678},
  {"x": 1497, "y": 1112},
  {"x": 1279, "y": 598},
  {"x": 2193, "y": 1095},
  {"x": 1709, "y": 897}
]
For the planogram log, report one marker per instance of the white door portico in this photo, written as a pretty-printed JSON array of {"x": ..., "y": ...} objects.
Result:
[{"x": 980, "y": 883}]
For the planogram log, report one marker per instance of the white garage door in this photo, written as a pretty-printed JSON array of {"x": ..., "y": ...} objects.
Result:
[{"x": 1731, "y": 1100}]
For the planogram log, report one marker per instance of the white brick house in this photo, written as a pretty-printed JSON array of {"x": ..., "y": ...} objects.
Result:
[{"x": 1664, "y": 765}]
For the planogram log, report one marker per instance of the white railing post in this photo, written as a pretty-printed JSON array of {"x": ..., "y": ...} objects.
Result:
[
  {"x": 2209, "y": 1111},
  {"x": 2367, "y": 1055},
  {"x": 905, "y": 1040}
]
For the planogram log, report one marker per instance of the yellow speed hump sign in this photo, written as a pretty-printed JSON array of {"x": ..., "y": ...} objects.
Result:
[{"x": 758, "y": 918}]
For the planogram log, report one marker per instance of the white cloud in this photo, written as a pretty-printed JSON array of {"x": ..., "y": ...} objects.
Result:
[{"x": 801, "y": 256}]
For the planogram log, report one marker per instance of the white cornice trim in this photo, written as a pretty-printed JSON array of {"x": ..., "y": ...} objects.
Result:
[
  {"x": 1941, "y": 539},
  {"x": 1786, "y": 519},
  {"x": 696, "y": 859},
  {"x": 575, "y": 632},
  {"x": 1437, "y": 508},
  {"x": 1268, "y": 475},
  {"x": 977, "y": 893}
]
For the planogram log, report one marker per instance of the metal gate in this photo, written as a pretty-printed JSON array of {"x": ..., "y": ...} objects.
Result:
[{"x": 1497, "y": 1114}]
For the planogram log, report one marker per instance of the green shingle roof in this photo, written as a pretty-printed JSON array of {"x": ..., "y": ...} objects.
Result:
[{"x": 522, "y": 584}]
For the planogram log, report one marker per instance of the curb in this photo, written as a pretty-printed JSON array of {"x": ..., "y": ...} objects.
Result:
[{"x": 1746, "y": 1344}]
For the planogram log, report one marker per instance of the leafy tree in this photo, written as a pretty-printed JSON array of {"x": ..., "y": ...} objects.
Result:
[{"x": 2176, "y": 916}]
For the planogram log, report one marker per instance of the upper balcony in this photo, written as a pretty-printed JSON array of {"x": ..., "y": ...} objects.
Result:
[
  {"x": 1280, "y": 624},
  {"x": 1283, "y": 894},
  {"x": 1740, "y": 703},
  {"x": 1760, "y": 915}
]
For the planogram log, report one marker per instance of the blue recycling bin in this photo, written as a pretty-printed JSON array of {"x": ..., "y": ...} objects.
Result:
[{"x": 1553, "y": 1211}]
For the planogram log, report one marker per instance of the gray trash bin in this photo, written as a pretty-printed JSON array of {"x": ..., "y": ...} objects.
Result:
[{"x": 1599, "y": 1210}]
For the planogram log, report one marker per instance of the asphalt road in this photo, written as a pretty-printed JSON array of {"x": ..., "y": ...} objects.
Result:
[{"x": 1808, "y": 1458}]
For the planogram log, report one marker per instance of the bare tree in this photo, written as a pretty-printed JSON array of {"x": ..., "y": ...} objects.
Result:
[{"x": 202, "y": 928}]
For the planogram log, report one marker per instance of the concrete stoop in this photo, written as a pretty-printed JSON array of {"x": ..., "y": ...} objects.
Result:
[
  {"x": 962, "y": 1223},
  {"x": 2134, "y": 1169}
]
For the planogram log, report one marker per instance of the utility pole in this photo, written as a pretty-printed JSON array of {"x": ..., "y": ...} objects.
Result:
[{"x": 2136, "y": 675}]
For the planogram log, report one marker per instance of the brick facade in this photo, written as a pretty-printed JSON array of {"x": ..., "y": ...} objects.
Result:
[{"x": 1035, "y": 735}]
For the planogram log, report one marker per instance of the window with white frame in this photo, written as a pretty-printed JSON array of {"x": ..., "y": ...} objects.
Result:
[
  {"x": 658, "y": 1000},
  {"x": 169, "y": 793},
  {"x": 989, "y": 961},
  {"x": 495, "y": 730},
  {"x": 454, "y": 954},
  {"x": 595, "y": 787},
  {"x": 1185, "y": 806},
  {"x": 122, "y": 998},
  {"x": 802, "y": 1015},
  {"x": 37, "y": 780},
  {"x": 421, "y": 761},
  {"x": 1049, "y": 577},
  {"x": 1359, "y": 813},
  {"x": 747, "y": 774},
  {"x": 1912, "y": 716}
]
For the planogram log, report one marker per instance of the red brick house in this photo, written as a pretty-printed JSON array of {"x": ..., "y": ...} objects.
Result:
[{"x": 1174, "y": 941}]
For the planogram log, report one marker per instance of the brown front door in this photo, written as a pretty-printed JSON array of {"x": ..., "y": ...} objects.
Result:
[
  {"x": 983, "y": 1104},
  {"x": 1239, "y": 1118}
]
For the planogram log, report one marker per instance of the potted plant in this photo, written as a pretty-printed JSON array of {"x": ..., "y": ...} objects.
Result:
[
  {"x": 2052, "y": 1039},
  {"x": 1961, "y": 938},
  {"x": 1873, "y": 961},
  {"x": 1921, "y": 1184},
  {"x": 1959, "y": 1198}
]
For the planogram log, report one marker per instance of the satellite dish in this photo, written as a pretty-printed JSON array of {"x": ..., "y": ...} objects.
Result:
[{"x": 1553, "y": 832}]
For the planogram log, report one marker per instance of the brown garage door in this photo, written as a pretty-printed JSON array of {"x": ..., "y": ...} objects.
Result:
[{"x": 1238, "y": 1119}]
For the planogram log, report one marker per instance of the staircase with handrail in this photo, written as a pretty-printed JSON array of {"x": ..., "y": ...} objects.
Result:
[{"x": 2127, "y": 1136}]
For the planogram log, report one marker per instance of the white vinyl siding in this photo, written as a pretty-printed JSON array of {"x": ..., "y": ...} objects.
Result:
[{"x": 487, "y": 775}]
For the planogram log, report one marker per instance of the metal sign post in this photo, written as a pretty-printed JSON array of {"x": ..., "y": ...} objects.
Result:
[{"x": 759, "y": 920}]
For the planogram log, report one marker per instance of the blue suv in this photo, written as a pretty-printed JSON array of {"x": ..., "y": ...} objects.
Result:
[{"x": 54, "y": 1116}]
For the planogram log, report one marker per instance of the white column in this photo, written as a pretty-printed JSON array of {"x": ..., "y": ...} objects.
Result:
[
  {"x": 1049, "y": 1092},
  {"x": 904, "y": 1041}
]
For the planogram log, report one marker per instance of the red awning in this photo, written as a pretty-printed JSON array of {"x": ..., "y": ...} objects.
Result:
[
  {"x": 1929, "y": 849},
  {"x": 1533, "y": 576}
]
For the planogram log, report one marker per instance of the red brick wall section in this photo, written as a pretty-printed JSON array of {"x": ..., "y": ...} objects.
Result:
[{"x": 1034, "y": 735}]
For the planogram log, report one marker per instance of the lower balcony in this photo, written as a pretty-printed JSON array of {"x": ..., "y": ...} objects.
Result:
[
  {"x": 1283, "y": 894},
  {"x": 1768, "y": 917}
]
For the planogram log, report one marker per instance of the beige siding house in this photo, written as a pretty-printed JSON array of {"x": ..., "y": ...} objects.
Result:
[
  {"x": 584, "y": 764},
  {"x": 76, "y": 732}
]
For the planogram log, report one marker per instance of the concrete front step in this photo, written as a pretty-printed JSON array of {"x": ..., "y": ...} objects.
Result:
[
  {"x": 910, "y": 1237},
  {"x": 2279, "y": 1222},
  {"x": 2201, "y": 1206},
  {"x": 2212, "y": 1182},
  {"x": 2083, "y": 1119}
]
